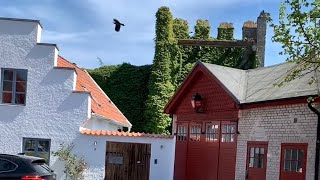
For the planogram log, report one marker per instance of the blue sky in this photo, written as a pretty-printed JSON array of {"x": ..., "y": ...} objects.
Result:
[{"x": 83, "y": 29}]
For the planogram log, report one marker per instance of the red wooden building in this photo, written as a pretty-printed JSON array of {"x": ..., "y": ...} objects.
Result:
[{"x": 235, "y": 124}]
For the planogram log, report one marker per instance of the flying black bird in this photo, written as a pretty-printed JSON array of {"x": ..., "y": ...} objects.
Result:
[{"x": 118, "y": 25}]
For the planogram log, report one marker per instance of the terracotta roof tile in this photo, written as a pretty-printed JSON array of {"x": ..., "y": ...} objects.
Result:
[
  {"x": 100, "y": 104},
  {"x": 86, "y": 131}
]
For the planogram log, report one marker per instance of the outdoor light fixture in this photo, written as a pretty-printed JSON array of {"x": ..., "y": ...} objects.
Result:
[{"x": 196, "y": 102}]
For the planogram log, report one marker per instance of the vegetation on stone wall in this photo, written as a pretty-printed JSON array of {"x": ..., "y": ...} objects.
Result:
[
  {"x": 126, "y": 85},
  {"x": 160, "y": 85},
  {"x": 141, "y": 92}
]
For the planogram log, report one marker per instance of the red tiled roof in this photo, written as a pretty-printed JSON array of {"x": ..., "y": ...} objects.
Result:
[
  {"x": 100, "y": 104},
  {"x": 116, "y": 133}
]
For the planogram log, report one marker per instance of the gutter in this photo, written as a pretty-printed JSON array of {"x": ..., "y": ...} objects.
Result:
[{"x": 316, "y": 164}]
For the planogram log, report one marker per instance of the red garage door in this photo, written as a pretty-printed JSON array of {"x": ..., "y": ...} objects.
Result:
[{"x": 205, "y": 150}]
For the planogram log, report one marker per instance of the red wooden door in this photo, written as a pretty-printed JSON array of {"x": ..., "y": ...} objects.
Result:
[
  {"x": 180, "y": 163},
  {"x": 228, "y": 150},
  {"x": 210, "y": 150},
  {"x": 293, "y": 161},
  {"x": 194, "y": 152},
  {"x": 256, "y": 160}
]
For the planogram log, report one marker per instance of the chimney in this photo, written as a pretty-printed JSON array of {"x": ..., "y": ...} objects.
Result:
[
  {"x": 225, "y": 31},
  {"x": 261, "y": 37},
  {"x": 249, "y": 31}
]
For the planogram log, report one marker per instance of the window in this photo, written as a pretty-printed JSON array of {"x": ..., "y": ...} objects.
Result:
[
  {"x": 7, "y": 166},
  {"x": 182, "y": 133},
  {"x": 293, "y": 160},
  {"x": 212, "y": 132},
  {"x": 195, "y": 132},
  {"x": 256, "y": 155},
  {"x": 228, "y": 133},
  {"x": 37, "y": 147},
  {"x": 14, "y": 86}
]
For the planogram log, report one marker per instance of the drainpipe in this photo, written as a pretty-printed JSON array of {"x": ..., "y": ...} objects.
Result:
[{"x": 316, "y": 164}]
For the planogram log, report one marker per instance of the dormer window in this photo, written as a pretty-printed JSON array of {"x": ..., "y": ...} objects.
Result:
[{"x": 13, "y": 86}]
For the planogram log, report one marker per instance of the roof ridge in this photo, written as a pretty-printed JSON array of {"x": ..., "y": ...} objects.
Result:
[{"x": 266, "y": 67}]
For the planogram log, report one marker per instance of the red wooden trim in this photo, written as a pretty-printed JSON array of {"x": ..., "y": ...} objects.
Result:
[
  {"x": 296, "y": 145},
  {"x": 258, "y": 144},
  {"x": 278, "y": 102},
  {"x": 195, "y": 72}
]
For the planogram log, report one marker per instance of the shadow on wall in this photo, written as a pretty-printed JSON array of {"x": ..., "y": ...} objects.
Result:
[
  {"x": 10, "y": 113},
  {"x": 73, "y": 101},
  {"x": 41, "y": 52},
  {"x": 56, "y": 77}
]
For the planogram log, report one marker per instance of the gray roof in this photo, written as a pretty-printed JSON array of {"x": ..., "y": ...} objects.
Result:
[{"x": 256, "y": 85}]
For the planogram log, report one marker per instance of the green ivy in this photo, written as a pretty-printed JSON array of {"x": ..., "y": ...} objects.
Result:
[{"x": 141, "y": 92}]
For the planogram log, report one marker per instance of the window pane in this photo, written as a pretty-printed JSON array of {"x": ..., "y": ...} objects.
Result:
[
  {"x": 43, "y": 146},
  {"x": 6, "y": 97},
  {"x": 294, "y": 155},
  {"x": 294, "y": 165},
  {"x": 251, "y": 162},
  {"x": 224, "y": 128},
  {"x": 29, "y": 145},
  {"x": 20, "y": 87},
  {"x": 260, "y": 163},
  {"x": 257, "y": 151},
  {"x": 20, "y": 98},
  {"x": 8, "y": 75},
  {"x": 182, "y": 133},
  {"x": 226, "y": 137},
  {"x": 195, "y": 132},
  {"x": 261, "y": 150},
  {"x": 231, "y": 137},
  {"x": 7, "y": 85},
  {"x": 286, "y": 165},
  {"x": 21, "y": 75},
  {"x": 252, "y": 152},
  {"x": 7, "y": 166},
  {"x": 287, "y": 154},
  {"x": 232, "y": 129}
]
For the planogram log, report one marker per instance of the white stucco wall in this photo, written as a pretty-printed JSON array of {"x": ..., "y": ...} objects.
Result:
[
  {"x": 101, "y": 124},
  {"x": 52, "y": 110},
  {"x": 95, "y": 155},
  {"x": 276, "y": 125}
]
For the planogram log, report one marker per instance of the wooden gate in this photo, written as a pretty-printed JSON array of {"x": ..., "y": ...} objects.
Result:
[{"x": 127, "y": 161}]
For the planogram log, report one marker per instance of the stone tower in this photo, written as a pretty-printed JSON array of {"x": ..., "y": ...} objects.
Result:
[
  {"x": 261, "y": 37},
  {"x": 256, "y": 32}
]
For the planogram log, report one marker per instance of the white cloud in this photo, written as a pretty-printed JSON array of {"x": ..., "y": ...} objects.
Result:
[{"x": 55, "y": 36}]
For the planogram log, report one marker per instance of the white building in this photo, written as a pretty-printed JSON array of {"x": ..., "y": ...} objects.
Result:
[{"x": 45, "y": 100}]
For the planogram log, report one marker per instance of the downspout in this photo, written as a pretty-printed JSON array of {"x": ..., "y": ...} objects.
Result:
[{"x": 316, "y": 164}]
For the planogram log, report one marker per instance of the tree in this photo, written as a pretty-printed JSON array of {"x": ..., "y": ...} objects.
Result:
[
  {"x": 298, "y": 32},
  {"x": 160, "y": 83}
]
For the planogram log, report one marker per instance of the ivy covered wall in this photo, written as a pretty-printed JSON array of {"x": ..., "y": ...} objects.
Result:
[{"x": 141, "y": 92}]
